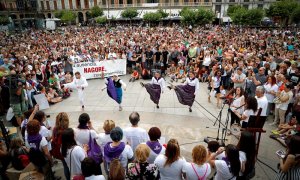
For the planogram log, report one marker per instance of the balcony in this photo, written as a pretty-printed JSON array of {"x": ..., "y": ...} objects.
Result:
[{"x": 163, "y": 5}]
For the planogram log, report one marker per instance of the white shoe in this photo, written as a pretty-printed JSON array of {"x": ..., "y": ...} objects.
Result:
[
  {"x": 273, "y": 123},
  {"x": 120, "y": 108}
]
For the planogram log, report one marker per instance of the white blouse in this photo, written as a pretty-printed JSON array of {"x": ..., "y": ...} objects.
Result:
[
  {"x": 194, "y": 82},
  {"x": 160, "y": 82}
]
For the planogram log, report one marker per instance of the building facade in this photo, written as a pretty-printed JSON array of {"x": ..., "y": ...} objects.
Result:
[{"x": 19, "y": 9}]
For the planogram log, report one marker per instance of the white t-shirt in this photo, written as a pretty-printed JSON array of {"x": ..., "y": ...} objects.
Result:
[
  {"x": 126, "y": 154},
  {"x": 217, "y": 82},
  {"x": 82, "y": 136},
  {"x": 135, "y": 136},
  {"x": 202, "y": 171},
  {"x": 44, "y": 132},
  {"x": 284, "y": 106},
  {"x": 223, "y": 171},
  {"x": 268, "y": 88},
  {"x": 77, "y": 156},
  {"x": 248, "y": 113},
  {"x": 171, "y": 172},
  {"x": 93, "y": 177},
  {"x": 243, "y": 158},
  {"x": 262, "y": 102}
]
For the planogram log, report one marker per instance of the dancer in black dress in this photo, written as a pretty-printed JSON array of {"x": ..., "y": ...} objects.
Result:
[
  {"x": 155, "y": 88},
  {"x": 186, "y": 93}
]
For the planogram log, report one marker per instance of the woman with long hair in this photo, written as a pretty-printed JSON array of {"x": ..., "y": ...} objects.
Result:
[
  {"x": 61, "y": 124},
  {"x": 230, "y": 166},
  {"x": 72, "y": 153},
  {"x": 118, "y": 172},
  {"x": 246, "y": 147},
  {"x": 250, "y": 110},
  {"x": 170, "y": 164},
  {"x": 215, "y": 84},
  {"x": 199, "y": 168},
  {"x": 289, "y": 166},
  {"x": 238, "y": 101}
]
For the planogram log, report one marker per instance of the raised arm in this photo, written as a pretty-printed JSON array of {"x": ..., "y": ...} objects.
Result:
[{"x": 85, "y": 83}]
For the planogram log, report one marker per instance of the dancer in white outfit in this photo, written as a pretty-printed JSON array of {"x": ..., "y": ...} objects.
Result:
[{"x": 80, "y": 84}]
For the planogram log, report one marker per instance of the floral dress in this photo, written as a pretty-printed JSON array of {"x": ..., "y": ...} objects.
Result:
[{"x": 142, "y": 171}]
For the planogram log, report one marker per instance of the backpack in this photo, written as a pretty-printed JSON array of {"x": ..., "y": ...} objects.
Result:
[
  {"x": 19, "y": 159},
  {"x": 37, "y": 157},
  {"x": 56, "y": 145}
]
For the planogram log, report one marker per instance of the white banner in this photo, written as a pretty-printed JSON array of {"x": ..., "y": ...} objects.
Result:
[{"x": 91, "y": 70}]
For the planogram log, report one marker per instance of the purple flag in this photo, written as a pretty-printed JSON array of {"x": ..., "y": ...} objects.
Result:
[{"x": 111, "y": 90}]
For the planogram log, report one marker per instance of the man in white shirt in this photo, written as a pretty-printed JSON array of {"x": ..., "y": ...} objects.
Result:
[
  {"x": 262, "y": 100},
  {"x": 80, "y": 84},
  {"x": 135, "y": 135}
]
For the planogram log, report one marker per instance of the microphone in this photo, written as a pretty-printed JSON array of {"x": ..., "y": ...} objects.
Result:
[{"x": 240, "y": 106}]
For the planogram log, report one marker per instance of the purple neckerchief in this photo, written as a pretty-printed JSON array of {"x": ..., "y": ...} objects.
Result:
[
  {"x": 111, "y": 89},
  {"x": 155, "y": 146},
  {"x": 111, "y": 153},
  {"x": 191, "y": 79},
  {"x": 34, "y": 139},
  {"x": 83, "y": 127},
  {"x": 157, "y": 79}
]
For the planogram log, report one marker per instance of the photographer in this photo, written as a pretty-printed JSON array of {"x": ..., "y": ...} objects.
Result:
[
  {"x": 68, "y": 65},
  {"x": 289, "y": 166},
  {"x": 253, "y": 80}
]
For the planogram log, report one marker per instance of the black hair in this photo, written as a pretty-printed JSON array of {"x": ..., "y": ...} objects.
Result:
[
  {"x": 88, "y": 167},
  {"x": 39, "y": 115},
  {"x": 213, "y": 146},
  {"x": 233, "y": 156},
  {"x": 252, "y": 103},
  {"x": 116, "y": 134},
  {"x": 247, "y": 145},
  {"x": 84, "y": 118},
  {"x": 68, "y": 141}
]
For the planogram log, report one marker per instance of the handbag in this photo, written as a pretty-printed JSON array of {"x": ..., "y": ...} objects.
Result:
[{"x": 94, "y": 150}]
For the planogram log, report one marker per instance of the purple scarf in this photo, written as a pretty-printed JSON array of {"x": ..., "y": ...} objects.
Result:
[
  {"x": 154, "y": 146},
  {"x": 157, "y": 79},
  {"x": 111, "y": 153},
  {"x": 111, "y": 90},
  {"x": 34, "y": 139}
]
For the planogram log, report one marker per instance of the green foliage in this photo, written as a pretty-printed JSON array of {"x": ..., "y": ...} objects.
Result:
[
  {"x": 4, "y": 20},
  {"x": 101, "y": 20},
  {"x": 283, "y": 9},
  {"x": 162, "y": 13},
  {"x": 129, "y": 13},
  {"x": 296, "y": 15},
  {"x": 200, "y": 16},
  {"x": 232, "y": 9},
  {"x": 152, "y": 16},
  {"x": 96, "y": 11},
  {"x": 204, "y": 16},
  {"x": 68, "y": 16},
  {"x": 242, "y": 16},
  {"x": 58, "y": 14},
  {"x": 254, "y": 16}
]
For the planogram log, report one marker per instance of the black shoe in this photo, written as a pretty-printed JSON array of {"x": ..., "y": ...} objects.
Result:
[
  {"x": 142, "y": 84},
  {"x": 169, "y": 87},
  {"x": 130, "y": 79},
  {"x": 190, "y": 109},
  {"x": 133, "y": 80},
  {"x": 157, "y": 106},
  {"x": 82, "y": 107}
]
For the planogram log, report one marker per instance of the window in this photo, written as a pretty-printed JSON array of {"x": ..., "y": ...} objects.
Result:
[
  {"x": 218, "y": 8},
  {"x": 206, "y": 0},
  {"x": 95, "y": 3},
  {"x": 218, "y": 0},
  {"x": 86, "y": 4},
  {"x": 78, "y": 4},
  {"x": 231, "y": 0},
  {"x": 129, "y": 1},
  {"x": 48, "y": 5},
  {"x": 261, "y": 6},
  {"x": 176, "y": 1},
  {"x": 70, "y": 4},
  {"x": 112, "y": 2},
  {"x": 246, "y": 6},
  {"x": 55, "y": 5},
  {"x": 138, "y": 1},
  {"x": 104, "y": 2},
  {"x": 63, "y": 4},
  {"x": 42, "y": 5},
  {"x": 246, "y": 1}
]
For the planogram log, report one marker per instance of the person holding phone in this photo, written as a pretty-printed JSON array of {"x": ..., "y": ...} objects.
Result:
[{"x": 289, "y": 166}]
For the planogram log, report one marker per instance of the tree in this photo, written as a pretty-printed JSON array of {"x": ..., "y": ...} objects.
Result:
[
  {"x": 296, "y": 15},
  {"x": 254, "y": 16},
  {"x": 101, "y": 20},
  {"x": 96, "y": 11},
  {"x": 239, "y": 16},
  {"x": 204, "y": 16},
  {"x": 68, "y": 16},
  {"x": 232, "y": 9},
  {"x": 129, "y": 13},
  {"x": 283, "y": 10},
  {"x": 152, "y": 17},
  {"x": 188, "y": 16},
  {"x": 162, "y": 13},
  {"x": 58, "y": 14},
  {"x": 4, "y": 20}
]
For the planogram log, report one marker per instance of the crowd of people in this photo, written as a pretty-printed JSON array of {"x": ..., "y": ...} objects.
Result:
[{"x": 256, "y": 70}]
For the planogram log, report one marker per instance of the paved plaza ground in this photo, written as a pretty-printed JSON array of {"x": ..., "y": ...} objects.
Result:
[{"x": 174, "y": 119}]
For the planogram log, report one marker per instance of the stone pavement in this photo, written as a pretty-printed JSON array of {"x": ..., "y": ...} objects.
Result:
[{"x": 174, "y": 119}]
